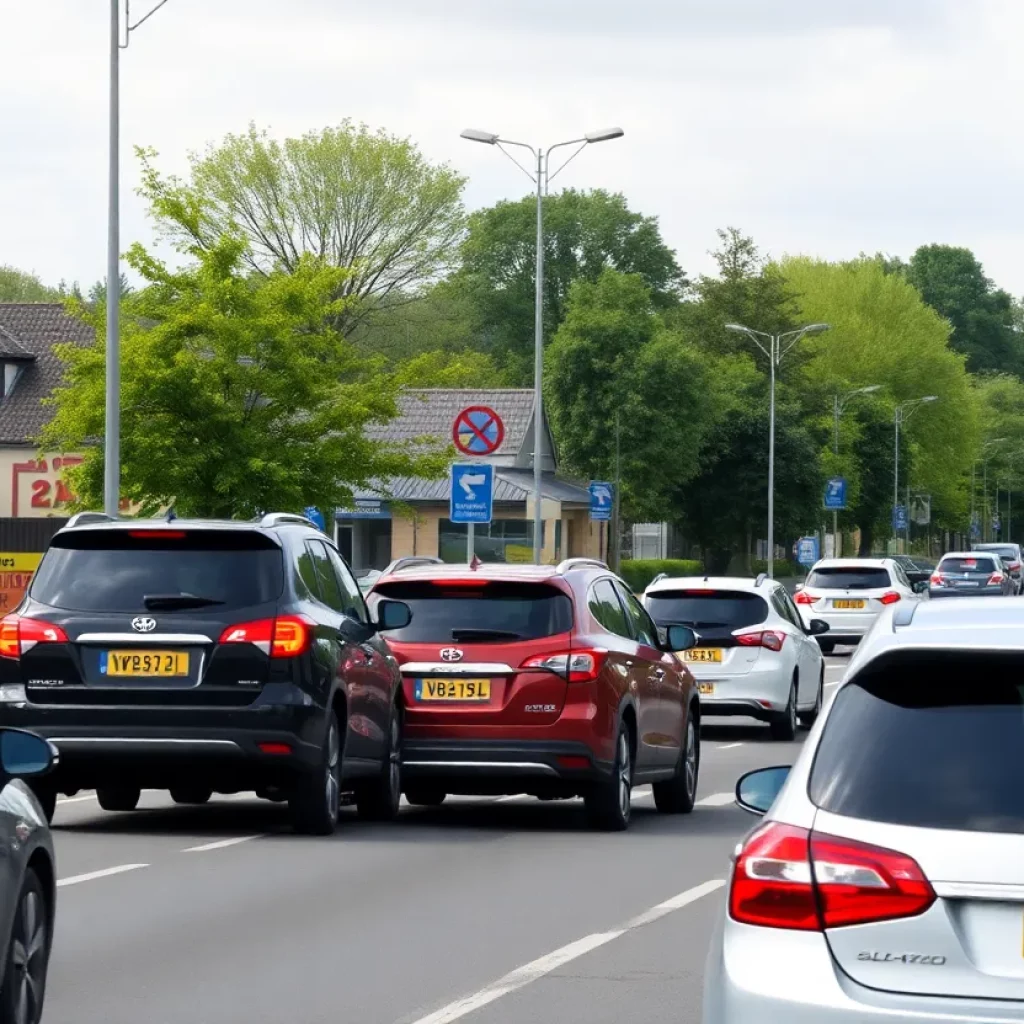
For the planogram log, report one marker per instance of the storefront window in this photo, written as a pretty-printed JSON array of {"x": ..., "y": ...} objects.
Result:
[{"x": 504, "y": 540}]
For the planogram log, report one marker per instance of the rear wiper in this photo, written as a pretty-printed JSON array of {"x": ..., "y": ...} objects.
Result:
[
  {"x": 154, "y": 602},
  {"x": 485, "y": 634}
]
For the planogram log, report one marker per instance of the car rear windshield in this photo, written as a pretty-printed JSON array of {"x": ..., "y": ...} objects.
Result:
[
  {"x": 932, "y": 740},
  {"x": 983, "y": 563},
  {"x": 1004, "y": 551},
  {"x": 732, "y": 609},
  {"x": 849, "y": 578},
  {"x": 110, "y": 570},
  {"x": 493, "y": 612}
]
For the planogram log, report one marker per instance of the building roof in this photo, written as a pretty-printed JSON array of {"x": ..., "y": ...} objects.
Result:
[
  {"x": 430, "y": 412},
  {"x": 28, "y": 333},
  {"x": 511, "y": 485}
]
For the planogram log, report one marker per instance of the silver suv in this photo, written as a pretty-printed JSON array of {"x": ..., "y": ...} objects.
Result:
[{"x": 886, "y": 881}]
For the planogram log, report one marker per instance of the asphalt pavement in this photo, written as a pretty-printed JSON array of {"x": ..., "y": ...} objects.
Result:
[{"x": 484, "y": 911}]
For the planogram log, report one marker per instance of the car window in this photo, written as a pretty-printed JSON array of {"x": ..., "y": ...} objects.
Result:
[
  {"x": 1006, "y": 551},
  {"x": 491, "y": 612},
  {"x": 113, "y": 571},
  {"x": 355, "y": 606},
  {"x": 979, "y": 563},
  {"x": 785, "y": 607},
  {"x": 849, "y": 578},
  {"x": 727, "y": 609},
  {"x": 908, "y": 743},
  {"x": 307, "y": 583},
  {"x": 644, "y": 630},
  {"x": 607, "y": 609},
  {"x": 901, "y": 576},
  {"x": 330, "y": 589}
]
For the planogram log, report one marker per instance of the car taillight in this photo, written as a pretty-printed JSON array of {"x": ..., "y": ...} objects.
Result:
[
  {"x": 802, "y": 597},
  {"x": 19, "y": 634},
  {"x": 582, "y": 666},
  {"x": 890, "y": 597},
  {"x": 287, "y": 636},
  {"x": 787, "y": 877},
  {"x": 996, "y": 577},
  {"x": 769, "y": 639},
  {"x": 938, "y": 579},
  {"x": 1014, "y": 566}
]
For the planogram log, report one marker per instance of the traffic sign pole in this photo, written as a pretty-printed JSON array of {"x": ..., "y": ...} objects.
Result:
[
  {"x": 477, "y": 431},
  {"x": 470, "y": 541}
]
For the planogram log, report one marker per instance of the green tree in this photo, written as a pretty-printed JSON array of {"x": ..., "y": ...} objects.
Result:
[
  {"x": 584, "y": 234},
  {"x": 612, "y": 361},
  {"x": 450, "y": 370},
  {"x": 237, "y": 393},
  {"x": 97, "y": 294},
  {"x": 365, "y": 201},
  {"x": 21, "y": 286}
]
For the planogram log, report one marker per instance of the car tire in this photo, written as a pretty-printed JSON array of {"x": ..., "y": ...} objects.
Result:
[
  {"x": 608, "y": 801},
  {"x": 425, "y": 796},
  {"x": 191, "y": 794},
  {"x": 678, "y": 794},
  {"x": 118, "y": 798},
  {"x": 28, "y": 956},
  {"x": 783, "y": 726},
  {"x": 315, "y": 798},
  {"x": 380, "y": 800},
  {"x": 46, "y": 794},
  {"x": 808, "y": 718},
  {"x": 827, "y": 646}
]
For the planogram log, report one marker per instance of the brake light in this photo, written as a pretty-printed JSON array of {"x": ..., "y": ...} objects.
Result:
[
  {"x": 287, "y": 636},
  {"x": 802, "y": 597},
  {"x": 1014, "y": 566},
  {"x": 460, "y": 583},
  {"x": 582, "y": 666},
  {"x": 938, "y": 579},
  {"x": 787, "y": 877},
  {"x": 769, "y": 638},
  {"x": 19, "y": 635},
  {"x": 157, "y": 534},
  {"x": 996, "y": 577},
  {"x": 890, "y": 597}
]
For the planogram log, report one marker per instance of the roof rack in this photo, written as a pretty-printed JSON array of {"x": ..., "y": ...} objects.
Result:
[
  {"x": 577, "y": 563},
  {"x": 409, "y": 561},
  {"x": 761, "y": 577},
  {"x": 79, "y": 518},
  {"x": 284, "y": 518},
  {"x": 657, "y": 579}
]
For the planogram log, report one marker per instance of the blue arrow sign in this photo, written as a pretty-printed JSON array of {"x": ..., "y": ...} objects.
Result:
[
  {"x": 472, "y": 493},
  {"x": 314, "y": 515},
  {"x": 807, "y": 551},
  {"x": 835, "y": 494},
  {"x": 601, "y": 501},
  {"x": 899, "y": 518}
]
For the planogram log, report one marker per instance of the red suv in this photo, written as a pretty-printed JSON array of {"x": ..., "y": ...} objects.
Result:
[{"x": 552, "y": 681}]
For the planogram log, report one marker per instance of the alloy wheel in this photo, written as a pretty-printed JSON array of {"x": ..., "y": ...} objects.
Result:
[
  {"x": 792, "y": 708},
  {"x": 395, "y": 759},
  {"x": 332, "y": 790},
  {"x": 691, "y": 759},
  {"x": 28, "y": 959},
  {"x": 625, "y": 775}
]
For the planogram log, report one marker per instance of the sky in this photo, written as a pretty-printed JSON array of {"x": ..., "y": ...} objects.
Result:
[{"x": 821, "y": 127}]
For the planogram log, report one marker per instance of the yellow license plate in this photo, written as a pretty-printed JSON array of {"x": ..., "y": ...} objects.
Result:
[
  {"x": 453, "y": 689},
  {"x": 849, "y": 605},
  {"x": 703, "y": 654},
  {"x": 144, "y": 663},
  {"x": 706, "y": 689}
]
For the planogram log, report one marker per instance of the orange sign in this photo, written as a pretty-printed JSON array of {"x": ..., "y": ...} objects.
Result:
[{"x": 16, "y": 571}]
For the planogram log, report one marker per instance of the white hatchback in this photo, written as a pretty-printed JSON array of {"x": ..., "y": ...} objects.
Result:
[
  {"x": 849, "y": 594},
  {"x": 755, "y": 657}
]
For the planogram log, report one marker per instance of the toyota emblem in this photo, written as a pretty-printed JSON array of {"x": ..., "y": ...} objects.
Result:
[
  {"x": 451, "y": 654},
  {"x": 143, "y": 624}
]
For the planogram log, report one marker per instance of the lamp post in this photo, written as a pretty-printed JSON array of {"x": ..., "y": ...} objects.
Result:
[
  {"x": 839, "y": 403},
  {"x": 778, "y": 346},
  {"x": 986, "y": 455},
  {"x": 903, "y": 413},
  {"x": 541, "y": 177}
]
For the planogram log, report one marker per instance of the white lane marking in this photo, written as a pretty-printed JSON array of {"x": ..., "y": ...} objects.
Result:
[
  {"x": 530, "y": 972},
  {"x": 104, "y": 873},
  {"x": 728, "y": 746},
  {"x": 221, "y": 844},
  {"x": 834, "y": 683},
  {"x": 76, "y": 799},
  {"x": 717, "y": 800}
]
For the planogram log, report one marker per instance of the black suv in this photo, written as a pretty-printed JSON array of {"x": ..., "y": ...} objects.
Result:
[{"x": 202, "y": 656}]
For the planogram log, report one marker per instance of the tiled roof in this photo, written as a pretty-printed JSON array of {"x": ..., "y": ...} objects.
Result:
[
  {"x": 431, "y": 412},
  {"x": 514, "y": 485},
  {"x": 29, "y": 331}
]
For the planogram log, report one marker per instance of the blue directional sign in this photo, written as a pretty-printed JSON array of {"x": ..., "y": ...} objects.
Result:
[
  {"x": 472, "y": 493},
  {"x": 601, "y": 501},
  {"x": 975, "y": 527},
  {"x": 899, "y": 518},
  {"x": 807, "y": 552},
  {"x": 835, "y": 494},
  {"x": 315, "y": 516}
]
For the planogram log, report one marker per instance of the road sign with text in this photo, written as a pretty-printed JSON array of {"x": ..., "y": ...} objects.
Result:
[
  {"x": 472, "y": 493},
  {"x": 600, "y": 501},
  {"x": 835, "y": 494}
]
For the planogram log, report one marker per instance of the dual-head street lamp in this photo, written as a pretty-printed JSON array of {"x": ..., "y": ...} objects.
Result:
[
  {"x": 541, "y": 176},
  {"x": 903, "y": 413},
  {"x": 775, "y": 347}
]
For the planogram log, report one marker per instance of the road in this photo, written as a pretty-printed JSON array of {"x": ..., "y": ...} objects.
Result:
[{"x": 483, "y": 911}]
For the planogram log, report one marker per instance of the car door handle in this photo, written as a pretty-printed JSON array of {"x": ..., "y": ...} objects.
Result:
[
  {"x": 659, "y": 673},
  {"x": 629, "y": 663}
]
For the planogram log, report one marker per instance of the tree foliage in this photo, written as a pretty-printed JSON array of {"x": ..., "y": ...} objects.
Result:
[
  {"x": 237, "y": 393},
  {"x": 21, "y": 286}
]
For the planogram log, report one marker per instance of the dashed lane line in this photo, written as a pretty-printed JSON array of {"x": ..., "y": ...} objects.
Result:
[
  {"x": 728, "y": 746},
  {"x": 717, "y": 800},
  {"x": 91, "y": 876},
  {"x": 222, "y": 844}
]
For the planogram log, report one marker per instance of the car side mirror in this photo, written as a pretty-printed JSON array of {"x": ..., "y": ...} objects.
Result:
[
  {"x": 798, "y": 588},
  {"x": 391, "y": 615},
  {"x": 24, "y": 754},
  {"x": 680, "y": 638},
  {"x": 817, "y": 627},
  {"x": 756, "y": 791}
]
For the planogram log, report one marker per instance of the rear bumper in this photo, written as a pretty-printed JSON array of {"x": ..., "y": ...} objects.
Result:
[
  {"x": 939, "y": 592},
  {"x": 761, "y": 692}
]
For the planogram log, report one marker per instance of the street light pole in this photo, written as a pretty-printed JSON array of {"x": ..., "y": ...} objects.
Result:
[
  {"x": 838, "y": 405},
  {"x": 903, "y": 413},
  {"x": 541, "y": 176},
  {"x": 778, "y": 346},
  {"x": 986, "y": 454}
]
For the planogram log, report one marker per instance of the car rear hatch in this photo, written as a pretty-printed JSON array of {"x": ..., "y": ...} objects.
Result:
[
  {"x": 841, "y": 591},
  {"x": 923, "y": 775},
  {"x": 481, "y": 651},
  {"x": 968, "y": 573},
  {"x": 147, "y": 617},
  {"x": 716, "y": 615}
]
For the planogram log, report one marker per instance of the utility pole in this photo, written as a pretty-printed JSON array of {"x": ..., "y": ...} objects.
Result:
[{"x": 618, "y": 490}]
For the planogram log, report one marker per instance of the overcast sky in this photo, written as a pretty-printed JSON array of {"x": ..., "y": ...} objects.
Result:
[{"x": 826, "y": 127}]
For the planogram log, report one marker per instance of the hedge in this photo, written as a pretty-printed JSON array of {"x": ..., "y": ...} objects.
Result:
[
  {"x": 639, "y": 572},
  {"x": 783, "y": 569}
]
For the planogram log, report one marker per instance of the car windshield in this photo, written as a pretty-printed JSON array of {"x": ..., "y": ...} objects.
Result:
[
  {"x": 967, "y": 564},
  {"x": 111, "y": 571},
  {"x": 487, "y": 612},
  {"x": 852, "y": 577},
  {"x": 732, "y": 609},
  {"x": 907, "y": 743}
]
